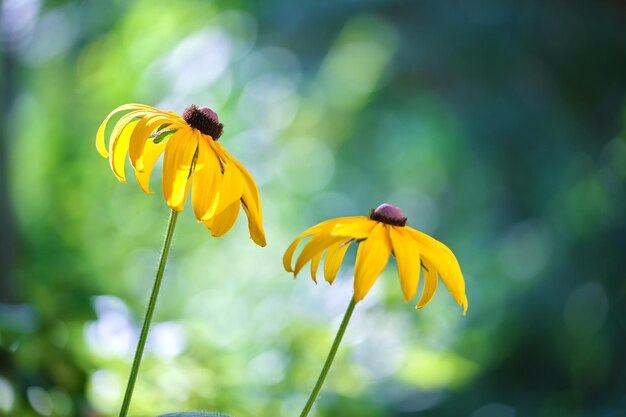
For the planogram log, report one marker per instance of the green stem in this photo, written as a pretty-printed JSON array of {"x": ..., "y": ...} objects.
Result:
[
  {"x": 146, "y": 322},
  {"x": 329, "y": 359}
]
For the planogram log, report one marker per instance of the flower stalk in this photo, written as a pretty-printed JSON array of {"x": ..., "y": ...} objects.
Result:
[
  {"x": 148, "y": 319},
  {"x": 329, "y": 359}
]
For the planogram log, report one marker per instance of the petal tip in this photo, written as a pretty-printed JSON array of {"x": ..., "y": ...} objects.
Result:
[{"x": 259, "y": 241}]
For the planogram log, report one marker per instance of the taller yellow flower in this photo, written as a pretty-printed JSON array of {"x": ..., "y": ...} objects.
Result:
[{"x": 221, "y": 184}]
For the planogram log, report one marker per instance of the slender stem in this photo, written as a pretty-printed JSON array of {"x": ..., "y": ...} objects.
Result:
[
  {"x": 146, "y": 322},
  {"x": 329, "y": 359}
]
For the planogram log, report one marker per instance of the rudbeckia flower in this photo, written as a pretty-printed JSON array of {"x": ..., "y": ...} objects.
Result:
[
  {"x": 221, "y": 185},
  {"x": 380, "y": 235}
]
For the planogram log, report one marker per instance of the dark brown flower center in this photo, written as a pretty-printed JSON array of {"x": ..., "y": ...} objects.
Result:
[
  {"x": 204, "y": 119},
  {"x": 388, "y": 214}
]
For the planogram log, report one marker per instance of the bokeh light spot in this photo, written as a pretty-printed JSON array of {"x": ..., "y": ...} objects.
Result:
[
  {"x": 40, "y": 400},
  {"x": 525, "y": 251},
  {"x": 104, "y": 390},
  {"x": 586, "y": 309},
  {"x": 7, "y": 395},
  {"x": 307, "y": 165},
  {"x": 495, "y": 410}
]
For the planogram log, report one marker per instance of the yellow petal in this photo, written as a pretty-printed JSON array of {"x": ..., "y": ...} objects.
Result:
[
  {"x": 207, "y": 178},
  {"x": 315, "y": 263},
  {"x": 230, "y": 190},
  {"x": 141, "y": 135},
  {"x": 254, "y": 192},
  {"x": 119, "y": 149},
  {"x": 121, "y": 124},
  {"x": 223, "y": 222},
  {"x": 100, "y": 145},
  {"x": 288, "y": 256},
  {"x": 407, "y": 255},
  {"x": 151, "y": 154},
  {"x": 250, "y": 198},
  {"x": 333, "y": 259},
  {"x": 328, "y": 225},
  {"x": 431, "y": 242},
  {"x": 430, "y": 284},
  {"x": 444, "y": 262},
  {"x": 179, "y": 152},
  {"x": 358, "y": 229},
  {"x": 325, "y": 226},
  {"x": 371, "y": 259},
  {"x": 255, "y": 219},
  {"x": 316, "y": 245}
]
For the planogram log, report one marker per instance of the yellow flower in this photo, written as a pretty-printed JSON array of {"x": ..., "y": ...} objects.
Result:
[
  {"x": 191, "y": 154},
  {"x": 382, "y": 234}
]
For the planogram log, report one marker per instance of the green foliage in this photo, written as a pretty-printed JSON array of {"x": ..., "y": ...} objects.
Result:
[
  {"x": 193, "y": 414},
  {"x": 493, "y": 126}
]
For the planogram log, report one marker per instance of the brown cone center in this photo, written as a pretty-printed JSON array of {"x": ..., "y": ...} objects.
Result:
[
  {"x": 204, "y": 119},
  {"x": 388, "y": 214}
]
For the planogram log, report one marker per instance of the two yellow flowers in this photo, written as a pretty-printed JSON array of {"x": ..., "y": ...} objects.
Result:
[{"x": 220, "y": 186}]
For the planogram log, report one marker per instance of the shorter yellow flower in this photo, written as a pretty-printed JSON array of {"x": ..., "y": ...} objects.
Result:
[
  {"x": 380, "y": 235},
  {"x": 221, "y": 184}
]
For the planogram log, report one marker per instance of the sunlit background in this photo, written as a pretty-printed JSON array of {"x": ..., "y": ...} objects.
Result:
[{"x": 495, "y": 125}]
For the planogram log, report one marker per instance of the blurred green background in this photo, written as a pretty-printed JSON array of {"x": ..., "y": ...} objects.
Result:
[{"x": 495, "y": 125}]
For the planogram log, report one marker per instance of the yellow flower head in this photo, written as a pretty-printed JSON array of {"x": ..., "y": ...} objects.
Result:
[
  {"x": 220, "y": 183},
  {"x": 383, "y": 233}
]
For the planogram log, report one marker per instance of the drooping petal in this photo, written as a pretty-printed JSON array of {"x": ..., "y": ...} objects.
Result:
[
  {"x": 223, "y": 222},
  {"x": 254, "y": 192},
  {"x": 179, "y": 153},
  {"x": 431, "y": 243},
  {"x": 315, "y": 263},
  {"x": 430, "y": 284},
  {"x": 252, "y": 205},
  {"x": 359, "y": 229},
  {"x": 207, "y": 178},
  {"x": 138, "y": 141},
  {"x": 230, "y": 190},
  {"x": 328, "y": 225},
  {"x": 250, "y": 199},
  {"x": 407, "y": 253},
  {"x": 255, "y": 219},
  {"x": 118, "y": 148},
  {"x": 141, "y": 135},
  {"x": 333, "y": 259},
  {"x": 100, "y": 145},
  {"x": 151, "y": 154},
  {"x": 121, "y": 124},
  {"x": 325, "y": 226},
  {"x": 288, "y": 256},
  {"x": 316, "y": 245},
  {"x": 371, "y": 259},
  {"x": 444, "y": 262}
]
